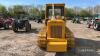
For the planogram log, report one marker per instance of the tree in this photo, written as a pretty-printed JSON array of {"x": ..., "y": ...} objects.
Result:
[
  {"x": 69, "y": 12},
  {"x": 42, "y": 14},
  {"x": 97, "y": 9},
  {"x": 3, "y": 11},
  {"x": 10, "y": 12},
  {"x": 18, "y": 11},
  {"x": 35, "y": 11},
  {"x": 84, "y": 13},
  {"x": 41, "y": 11}
]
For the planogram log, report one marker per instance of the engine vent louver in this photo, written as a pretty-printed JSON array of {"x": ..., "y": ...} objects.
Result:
[{"x": 56, "y": 31}]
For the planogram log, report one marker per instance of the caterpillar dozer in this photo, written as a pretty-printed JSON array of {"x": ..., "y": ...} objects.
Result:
[{"x": 55, "y": 36}]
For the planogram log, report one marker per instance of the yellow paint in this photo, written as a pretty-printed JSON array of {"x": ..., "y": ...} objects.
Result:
[
  {"x": 55, "y": 44},
  {"x": 56, "y": 23}
]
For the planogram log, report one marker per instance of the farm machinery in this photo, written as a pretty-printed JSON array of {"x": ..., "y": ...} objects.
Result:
[
  {"x": 55, "y": 36},
  {"x": 5, "y": 23},
  {"x": 21, "y": 23},
  {"x": 76, "y": 20},
  {"x": 94, "y": 22}
]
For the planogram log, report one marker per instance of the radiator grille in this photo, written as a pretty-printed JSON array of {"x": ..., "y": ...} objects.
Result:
[{"x": 56, "y": 31}]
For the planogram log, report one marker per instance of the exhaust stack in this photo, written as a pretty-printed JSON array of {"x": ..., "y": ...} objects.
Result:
[{"x": 53, "y": 14}]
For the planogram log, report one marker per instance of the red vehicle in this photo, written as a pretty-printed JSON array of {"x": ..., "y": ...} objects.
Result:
[{"x": 5, "y": 23}]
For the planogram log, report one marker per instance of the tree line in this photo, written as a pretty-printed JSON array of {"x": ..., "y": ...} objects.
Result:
[{"x": 32, "y": 11}]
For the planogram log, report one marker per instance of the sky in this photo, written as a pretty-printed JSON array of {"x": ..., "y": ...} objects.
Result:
[{"x": 69, "y": 3}]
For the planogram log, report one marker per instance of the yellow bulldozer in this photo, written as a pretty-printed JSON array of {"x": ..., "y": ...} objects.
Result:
[{"x": 54, "y": 36}]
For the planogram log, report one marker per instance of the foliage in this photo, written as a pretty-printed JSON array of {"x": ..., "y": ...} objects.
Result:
[
  {"x": 3, "y": 11},
  {"x": 69, "y": 12},
  {"x": 84, "y": 13},
  {"x": 17, "y": 10}
]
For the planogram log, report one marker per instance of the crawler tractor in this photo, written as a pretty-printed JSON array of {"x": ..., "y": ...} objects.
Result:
[{"x": 55, "y": 36}]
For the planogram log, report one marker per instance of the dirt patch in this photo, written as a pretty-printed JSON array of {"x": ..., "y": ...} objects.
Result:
[{"x": 25, "y": 44}]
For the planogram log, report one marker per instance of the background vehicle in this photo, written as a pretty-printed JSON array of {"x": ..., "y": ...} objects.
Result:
[
  {"x": 94, "y": 22},
  {"x": 5, "y": 23},
  {"x": 38, "y": 19},
  {"x": 55, "y": 36},
  {"x": 21, "y": 23},
  {"x": 76, "y": 20}
]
